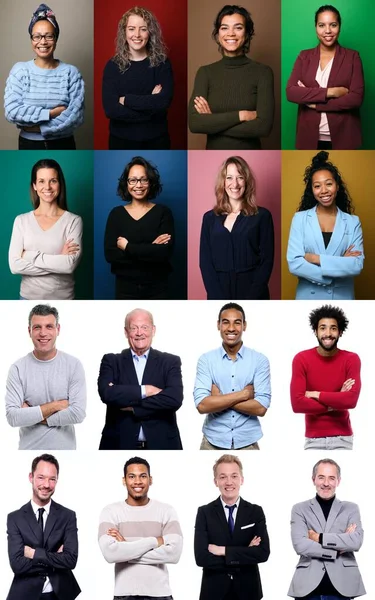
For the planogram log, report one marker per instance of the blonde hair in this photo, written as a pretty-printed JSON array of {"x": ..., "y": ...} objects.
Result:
[
  {"x": 227, "y": 458},
  {"x": 156, "y": 49},
  {"x": 249, "y": 205}
]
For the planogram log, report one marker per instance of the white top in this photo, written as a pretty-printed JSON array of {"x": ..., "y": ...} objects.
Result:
[
  {"x": 36, "y": 255},
  {"x": 322, "y": 76}
]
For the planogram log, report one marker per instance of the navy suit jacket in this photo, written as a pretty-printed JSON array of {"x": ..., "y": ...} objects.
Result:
[
  {"x": 240, "y": 560},
  {"x": 30, "y": 574},
  {"x": 342, "y": 113},
  {"x": 156, "y": 414}
]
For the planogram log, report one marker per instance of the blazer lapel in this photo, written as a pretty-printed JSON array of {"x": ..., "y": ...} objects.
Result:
[
  {"x": 316, "y": 232},
  {"x": 128, "y": 367},
  {"x": 335, "y": 509},
  {"x": 51, "y": 520},
  {"x": 151, "y": 367},
  {"x": 220, "y": 514},
  {"x": 338, "y": 233},
  {"x": 316, "y": 509},
  {"x": 32, "y": 521},
  {"x": 338, "y": 60}
]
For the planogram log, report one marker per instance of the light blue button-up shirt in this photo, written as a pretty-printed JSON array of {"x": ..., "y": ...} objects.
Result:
[
  {"x": 140, "y": 365},
  {"x": 230, "y": 428}
]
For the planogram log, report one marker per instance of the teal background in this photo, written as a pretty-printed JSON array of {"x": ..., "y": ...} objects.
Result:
[
  {"x": 298, "y": 33},
  {"x": 15, "y": 175}
]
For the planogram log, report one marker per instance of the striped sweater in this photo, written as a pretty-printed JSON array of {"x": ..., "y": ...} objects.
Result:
[
  {"x": 31, "y": 92},
  {"x": 140, "y": 568}
]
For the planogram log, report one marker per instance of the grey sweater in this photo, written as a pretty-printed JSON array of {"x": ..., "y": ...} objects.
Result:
[{"x": 38, "y": 382}]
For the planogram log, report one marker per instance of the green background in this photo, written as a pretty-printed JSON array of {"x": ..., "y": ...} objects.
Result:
[
  {"x": 357, "y": 32},
  {"x": 15, "y": 175}
]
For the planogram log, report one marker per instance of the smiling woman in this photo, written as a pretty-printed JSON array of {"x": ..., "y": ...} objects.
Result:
[
  {"x": 45, "y": 247},
  {"x": 44, "y": 97}
]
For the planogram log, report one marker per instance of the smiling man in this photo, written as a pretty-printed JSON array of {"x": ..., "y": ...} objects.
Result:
[
  {"x": 232, "y": 387},
  {"x": 142, "y": 389},
  {"x": 140, "y": 536},
  {"x": 230, "y": 538},
  {"x": 42, "y": 540},
  {"x": 46, "y": 389},
  {"x": 326, "y": 383},
  {"x": 325, "y": 534}
]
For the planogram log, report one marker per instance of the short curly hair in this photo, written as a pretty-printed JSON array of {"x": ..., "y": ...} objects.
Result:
[
  {"x": 153, "y": 176},
  {"x": 328, "y": 312}
]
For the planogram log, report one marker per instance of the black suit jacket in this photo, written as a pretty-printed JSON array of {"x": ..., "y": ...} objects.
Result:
[
  {"x": 240, "y": 560},
  {"x": 156, "y": 414},
  {"x": 30, "y": 574}
]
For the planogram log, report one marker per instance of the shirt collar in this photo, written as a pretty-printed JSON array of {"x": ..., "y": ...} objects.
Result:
[
  {"x": 35, "y": 507},
  {"x": 240, "y": 353},
  {"x": 225, "y": 504},
  {"x": 139, "y": 357}
]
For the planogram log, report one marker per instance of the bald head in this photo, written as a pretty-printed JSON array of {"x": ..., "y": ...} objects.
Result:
[{"x": 139, "y": 330}]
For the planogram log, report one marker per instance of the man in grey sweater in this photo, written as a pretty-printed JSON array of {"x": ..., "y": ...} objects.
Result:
[{"x": 46, "y": 389}]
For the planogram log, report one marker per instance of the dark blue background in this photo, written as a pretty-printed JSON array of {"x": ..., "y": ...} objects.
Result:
[{"x": 172, "y": 166}]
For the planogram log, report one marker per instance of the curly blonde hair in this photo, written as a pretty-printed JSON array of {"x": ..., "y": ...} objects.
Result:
[
  {"x": 249, "y": 205},
  {"x": 156, "y": 49}
]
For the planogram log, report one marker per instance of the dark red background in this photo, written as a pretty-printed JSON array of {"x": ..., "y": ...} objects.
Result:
[{"x": 172, "y": 16}]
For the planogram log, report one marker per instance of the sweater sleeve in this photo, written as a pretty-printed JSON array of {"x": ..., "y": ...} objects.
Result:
[
  {"x": 354, "y": 98},
  {"x": 298, "y": 386},
  {"x": 16, "y": 111},
  {"x": 170, "y": 550},
  {"x": 59, "y": 263},
  {"x": 154, "y": 102},
  {"x": 18, "y": 264},
  {"x": 297, "y": 263},
  {"x": 110, "y": 98},
  {"x": 72, "y": 116},
  {"x": 14, "y": 398},
  {"x": 303, "y": 95},
  {"x": 76, "y": 411},
  {"x": 345, "y": 400},
  {"x": 155, "y": 252},
  {"x": 209, "y": 274}
]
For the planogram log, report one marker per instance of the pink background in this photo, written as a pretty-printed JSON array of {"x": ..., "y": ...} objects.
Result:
[{"x": 203, "y": 168}]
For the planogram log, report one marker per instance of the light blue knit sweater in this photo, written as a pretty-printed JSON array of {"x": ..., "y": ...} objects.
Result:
[{"x": 31, "y": 92}]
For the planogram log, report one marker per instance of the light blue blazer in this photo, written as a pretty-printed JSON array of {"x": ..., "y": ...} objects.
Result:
[{"x": 333, "y": 279}]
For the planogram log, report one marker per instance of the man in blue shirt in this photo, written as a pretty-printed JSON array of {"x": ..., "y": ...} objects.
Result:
[{"x": 232, "y": 387}]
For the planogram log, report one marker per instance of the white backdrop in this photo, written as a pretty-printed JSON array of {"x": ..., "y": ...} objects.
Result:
[{"x": 276, "y": 477}]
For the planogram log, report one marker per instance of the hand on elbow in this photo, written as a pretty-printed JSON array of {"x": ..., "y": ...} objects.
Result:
[
  {"x": 247, "y": 115},
  {"x": 70, "y": 248}
]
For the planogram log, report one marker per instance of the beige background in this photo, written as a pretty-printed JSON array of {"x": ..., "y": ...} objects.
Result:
[
  {"x": 357, "y": 170},
  {"x": 265, "y": 48},
  {"x": 74, "y": 46}
]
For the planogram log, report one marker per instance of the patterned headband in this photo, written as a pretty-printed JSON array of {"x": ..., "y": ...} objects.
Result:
[{"x": 44, "y": 13}]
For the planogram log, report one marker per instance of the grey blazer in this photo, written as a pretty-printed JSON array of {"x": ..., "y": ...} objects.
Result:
[{"x": 336, "y": 553}]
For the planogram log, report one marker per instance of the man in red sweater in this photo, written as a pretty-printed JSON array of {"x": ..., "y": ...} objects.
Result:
[{"x": 326, "y": 383}]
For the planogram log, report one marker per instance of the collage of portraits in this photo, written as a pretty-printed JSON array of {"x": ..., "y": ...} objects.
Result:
[{"x": 199, "y": 182}]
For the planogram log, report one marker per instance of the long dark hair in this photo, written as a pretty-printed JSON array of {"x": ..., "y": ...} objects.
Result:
[{"x": 48, "y": 163}]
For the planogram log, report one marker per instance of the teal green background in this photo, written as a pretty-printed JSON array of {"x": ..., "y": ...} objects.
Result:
[
  {"x": 357, "y": 32},
  {"x": 15, "y": 175}
]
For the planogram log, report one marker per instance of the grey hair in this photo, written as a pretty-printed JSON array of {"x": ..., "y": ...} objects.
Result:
[
  {"x": 43, "y": 310},
  {"x": 328, "y": 461},
  {"x": 129, "y": 315}
]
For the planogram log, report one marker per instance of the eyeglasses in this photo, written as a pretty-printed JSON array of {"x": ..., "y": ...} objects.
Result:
[
  {"x": 37, "y": 37},
  {"x": 142, "y": 329},
  {"x": 134, "y": 180}
]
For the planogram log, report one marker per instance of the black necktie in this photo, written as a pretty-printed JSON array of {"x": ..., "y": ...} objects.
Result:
[
  {"x": 230, "y": 518},
  {"x": 40, "y": 519}
]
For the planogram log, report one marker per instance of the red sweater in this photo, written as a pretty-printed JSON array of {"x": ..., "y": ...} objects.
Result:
[{"x": 315, "y": 373}]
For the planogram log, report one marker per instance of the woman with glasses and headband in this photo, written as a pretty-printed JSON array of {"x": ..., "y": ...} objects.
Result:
[
  {"x": 139, "y": 236},
  {"x": 233, "y": 100},
  {"x": 46, "y": 243},
  {"x": 138, "y": 85},
  {"x": 237, "y": 238},
  {"x": 44, "y": 97}
]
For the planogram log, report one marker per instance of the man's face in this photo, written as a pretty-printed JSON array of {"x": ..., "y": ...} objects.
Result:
[
  {"x": 43, "y": 332},
  {"x": 231, "y": 327},
  {"x": 229, "y": 480},
  {"x": 328, "y": 334},
  {"x": 139, "y": 331},
  {"x": 326, "y": 481},
  {"x": 43, "y": 481},
  {"x": 137, "y": 482}
]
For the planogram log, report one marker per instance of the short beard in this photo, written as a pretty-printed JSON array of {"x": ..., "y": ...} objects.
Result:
[{"x": 333, "y": 347}]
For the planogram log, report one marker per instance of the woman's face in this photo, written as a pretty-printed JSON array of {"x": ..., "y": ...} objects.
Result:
[
  {"x": 137, "y": 35},
  {"x": 324, "y": 188},
  {"x": 327, "y": 29},
  {"x": 47, "y": 185},
  {"x": 234, "y": 183},
  {"x": 44, "y": 48},
  {"x": 138, "y": 183},
  {"x": 232, "y": 34}
]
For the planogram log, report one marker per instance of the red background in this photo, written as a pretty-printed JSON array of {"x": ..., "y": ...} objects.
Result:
[{"x": 172, "y": 17}]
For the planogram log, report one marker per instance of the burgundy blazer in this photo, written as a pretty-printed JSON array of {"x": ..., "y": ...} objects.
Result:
[{"x": 342, "y": 113}]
